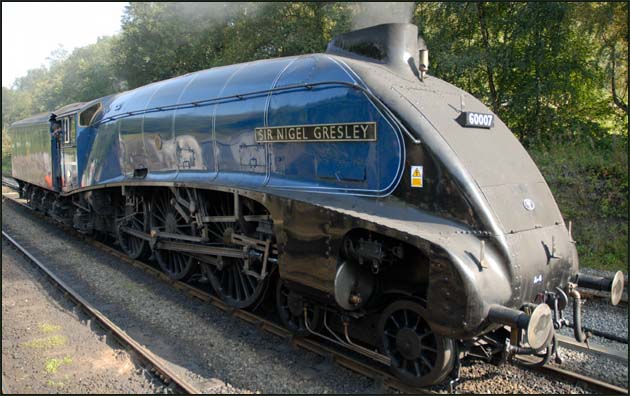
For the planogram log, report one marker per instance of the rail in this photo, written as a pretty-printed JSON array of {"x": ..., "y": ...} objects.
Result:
[
  {"x": 149, "y": 358},
  {"x": 572, "y": 377},
  {"x": 591, "y": 348}
]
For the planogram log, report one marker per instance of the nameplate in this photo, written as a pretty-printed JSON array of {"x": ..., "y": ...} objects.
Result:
[{"x": 343, "y": 132}]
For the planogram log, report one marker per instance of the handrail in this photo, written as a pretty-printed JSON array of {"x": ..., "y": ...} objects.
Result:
[{"x": 239, "y": 96}]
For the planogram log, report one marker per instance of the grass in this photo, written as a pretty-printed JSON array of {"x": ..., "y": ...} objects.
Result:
[
  {"x": 46, "y": 343},
  {"x": 6, "y": 153},
  {"x": 6, "y": 164},
  {"x": 55, "y": 384},
  {"x": 589, "y": 181},
  {"x": 53, "y": 364},
  {"x": 49, "y": 328}
]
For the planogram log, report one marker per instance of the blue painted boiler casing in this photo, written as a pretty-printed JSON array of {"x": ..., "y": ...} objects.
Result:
[{"x": 195, "y": 128}]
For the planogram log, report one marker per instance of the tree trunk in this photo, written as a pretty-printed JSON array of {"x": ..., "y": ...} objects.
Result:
[
  {"x": 489, "y": 68},
  {"x": 616, "y": 99}
]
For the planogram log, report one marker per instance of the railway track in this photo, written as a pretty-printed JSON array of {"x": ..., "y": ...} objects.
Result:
[
  {"x": 148, "y": 358},
  {"x": 574, "y": 378},
  {"x": 383, "y": 380},
  {"x": 597, "y": 294}
]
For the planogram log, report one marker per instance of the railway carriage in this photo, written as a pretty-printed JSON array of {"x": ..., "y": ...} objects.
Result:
[{"x": 384, "y": 209}]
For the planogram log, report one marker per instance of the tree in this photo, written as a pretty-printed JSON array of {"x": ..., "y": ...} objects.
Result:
[
  {"x": 88, "y": 73},
  {"x": 530, "y": 62},
  {"x": 608, "y": 21},
  {"x": 163, "y": 40}
]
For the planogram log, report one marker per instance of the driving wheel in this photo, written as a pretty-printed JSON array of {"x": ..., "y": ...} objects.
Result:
[
  {"x": 165, "y": 218},
  {"x": 136, "y": 219}
]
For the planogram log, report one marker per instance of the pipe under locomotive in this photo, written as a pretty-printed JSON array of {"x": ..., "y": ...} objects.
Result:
[{"x": 391, "y": 209}]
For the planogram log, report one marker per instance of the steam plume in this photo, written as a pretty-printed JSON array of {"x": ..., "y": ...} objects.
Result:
[
  {"x": 215, "y": 12},
  {"x": 369, "y": 14}
]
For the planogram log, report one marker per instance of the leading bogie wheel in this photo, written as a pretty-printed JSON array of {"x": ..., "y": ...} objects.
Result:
[
  {"x": 290, "y": 306},
  {"x": 419, "y": 356}
]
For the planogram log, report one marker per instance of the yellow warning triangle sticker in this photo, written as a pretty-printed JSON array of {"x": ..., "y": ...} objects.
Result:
[{"x": 416, "y": 173}]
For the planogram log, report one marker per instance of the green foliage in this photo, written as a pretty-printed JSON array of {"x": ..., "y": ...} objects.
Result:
[
  {"x": 6, "y": 152},
  {"x": 6, "y": 164},
  {"x": 535, "y": 64},
  {"x": 48, "y": 328},
  {"x": 589, "y": 180},
  {"x": 52, "y": 364},
  {"x": 162, "y": 40},
  {"x": 86, "y": 74},
  {"x": 16, "y": 105},
  {"x": 46, "y": 343}
]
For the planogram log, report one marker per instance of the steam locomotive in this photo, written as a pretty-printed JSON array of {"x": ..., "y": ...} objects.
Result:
[{"x": 390, "y": 212}]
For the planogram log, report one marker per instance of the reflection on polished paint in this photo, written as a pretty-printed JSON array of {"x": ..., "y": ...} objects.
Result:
[{"x": 217, "y": 141}]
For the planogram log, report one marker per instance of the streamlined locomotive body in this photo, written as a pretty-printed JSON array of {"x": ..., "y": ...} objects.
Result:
[{"x": 384, "y": 207}]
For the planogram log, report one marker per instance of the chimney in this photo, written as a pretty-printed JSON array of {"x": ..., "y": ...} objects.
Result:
[{"x": 392, "y": 44}]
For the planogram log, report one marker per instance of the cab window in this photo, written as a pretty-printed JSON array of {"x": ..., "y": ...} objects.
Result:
[
  {"x": 88, "y": 115},
  {"x": 69, "y": 130},
  {"x": 66, "y": 130}
]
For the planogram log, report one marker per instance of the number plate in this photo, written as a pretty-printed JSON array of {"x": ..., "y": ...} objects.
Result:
[{"x": 469, "y": 119}]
